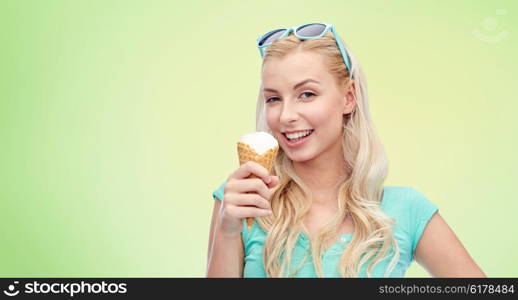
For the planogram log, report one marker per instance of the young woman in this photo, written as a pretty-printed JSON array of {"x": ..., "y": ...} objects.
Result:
[{"x": 323, "y": 212}]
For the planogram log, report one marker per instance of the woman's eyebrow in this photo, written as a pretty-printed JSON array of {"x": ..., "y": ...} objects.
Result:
[{"x": 295, "y": 86}]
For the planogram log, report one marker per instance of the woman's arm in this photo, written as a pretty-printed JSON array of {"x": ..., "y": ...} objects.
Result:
[
  {"x": 225, "y": 253},
  {"x": 442, "y": 254},
  {"x": 243, "y": 197}
]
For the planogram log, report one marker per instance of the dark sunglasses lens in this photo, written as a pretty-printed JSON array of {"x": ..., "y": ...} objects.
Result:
[
  {"x": 311, "y": 30},
  {"x": 271, "y": 37}
]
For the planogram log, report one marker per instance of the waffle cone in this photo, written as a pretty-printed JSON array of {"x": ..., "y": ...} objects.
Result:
[{"x": 247, "y": 153}]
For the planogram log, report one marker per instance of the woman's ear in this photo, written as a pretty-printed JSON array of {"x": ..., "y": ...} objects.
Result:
[{"x": 350, "y": 97}]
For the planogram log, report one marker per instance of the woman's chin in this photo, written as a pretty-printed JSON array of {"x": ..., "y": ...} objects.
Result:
[{"x": 298, "y": 157}]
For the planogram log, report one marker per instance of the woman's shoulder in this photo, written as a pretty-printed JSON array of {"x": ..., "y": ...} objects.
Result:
[
  {"x": 402, "y": 197},
  {"x": 411, "y": 209},
  {"x": 407, "y": 204}
]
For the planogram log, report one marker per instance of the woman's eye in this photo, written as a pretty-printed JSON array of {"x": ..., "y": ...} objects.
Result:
[
  {"x": 274, "y": 99},
  {"x": 310, "y": 94}
]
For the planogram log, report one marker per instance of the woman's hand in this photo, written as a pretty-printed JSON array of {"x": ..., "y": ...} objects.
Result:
[{"x": 245, "y": 197}]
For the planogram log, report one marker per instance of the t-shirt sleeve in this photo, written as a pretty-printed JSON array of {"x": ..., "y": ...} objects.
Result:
[
  {"x": 218, "y": 194},
  {"x": 422, "y": 210}
]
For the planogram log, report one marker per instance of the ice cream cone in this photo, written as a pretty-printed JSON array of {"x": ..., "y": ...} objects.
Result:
[
  {"x": 246, "y": 149},
  {"x": 246, "y": 153}
]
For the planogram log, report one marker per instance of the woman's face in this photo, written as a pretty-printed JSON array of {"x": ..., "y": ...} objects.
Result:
[{"x": 304, "y": 105}]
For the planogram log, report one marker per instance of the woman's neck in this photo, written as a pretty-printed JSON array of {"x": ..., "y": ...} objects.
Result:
[{"x": 322, "y": 176}]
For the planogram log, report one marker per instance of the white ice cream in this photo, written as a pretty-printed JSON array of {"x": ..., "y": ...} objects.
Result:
[{"x": 260, "y": 141}]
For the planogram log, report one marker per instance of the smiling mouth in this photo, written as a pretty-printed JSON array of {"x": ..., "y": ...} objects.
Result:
[{"x": 294, "y": 137}]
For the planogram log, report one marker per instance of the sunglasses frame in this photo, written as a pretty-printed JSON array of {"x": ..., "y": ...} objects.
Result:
[{"x": 294, "y": 29}]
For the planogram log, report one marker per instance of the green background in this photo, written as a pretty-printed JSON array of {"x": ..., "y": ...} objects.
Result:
[{"x": 119, "y": 118}]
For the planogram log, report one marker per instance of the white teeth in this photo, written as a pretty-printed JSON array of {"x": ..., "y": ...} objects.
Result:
[{"x": 299, "y": 134}]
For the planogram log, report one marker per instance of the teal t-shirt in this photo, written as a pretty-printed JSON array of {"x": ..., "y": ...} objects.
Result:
[{"x": 411, "y": 210}]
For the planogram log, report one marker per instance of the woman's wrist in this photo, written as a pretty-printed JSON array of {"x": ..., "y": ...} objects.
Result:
[{"x": 228, "y": 229}]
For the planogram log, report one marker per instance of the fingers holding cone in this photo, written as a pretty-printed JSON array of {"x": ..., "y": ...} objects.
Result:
[{"x": 262, "y": 148}]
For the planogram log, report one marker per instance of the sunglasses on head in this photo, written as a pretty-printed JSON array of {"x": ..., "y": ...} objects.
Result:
[{"x": 303, "y": 32}]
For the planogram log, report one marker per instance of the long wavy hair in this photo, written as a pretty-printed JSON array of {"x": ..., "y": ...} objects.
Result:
[{"x": 359, "y": 192}]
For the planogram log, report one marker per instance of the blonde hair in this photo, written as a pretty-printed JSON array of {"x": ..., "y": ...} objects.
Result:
[{"x": 359, "y": 193}]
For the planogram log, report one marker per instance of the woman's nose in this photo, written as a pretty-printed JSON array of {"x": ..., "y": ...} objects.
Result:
[{"x": 288, "y": 113}]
